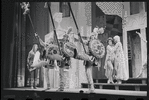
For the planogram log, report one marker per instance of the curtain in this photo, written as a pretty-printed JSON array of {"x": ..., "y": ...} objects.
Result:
[
  {"x": 16, "y": 65},
  {"x": 6, "y": 39},
  {"x": 17, "y": 40}
]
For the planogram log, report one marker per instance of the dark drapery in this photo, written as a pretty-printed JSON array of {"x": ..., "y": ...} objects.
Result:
[
  {"x": 17, "y": 40},
  {"x": 6, "y": 37},
  {"x": 17, "y": 49},
  {"x": 13, "y": 39}
]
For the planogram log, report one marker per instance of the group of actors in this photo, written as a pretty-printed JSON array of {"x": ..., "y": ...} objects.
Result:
[{"x": 114, "y": 63}]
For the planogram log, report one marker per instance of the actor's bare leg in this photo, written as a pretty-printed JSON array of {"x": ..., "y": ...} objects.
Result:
[
  {"x": 39, "y": 64},
  {"x": 110, "y": 78},
  {"x": 89, "y": 78}
]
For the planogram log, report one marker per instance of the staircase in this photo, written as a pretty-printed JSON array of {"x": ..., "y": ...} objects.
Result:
[{"x": 135, "y": 84}]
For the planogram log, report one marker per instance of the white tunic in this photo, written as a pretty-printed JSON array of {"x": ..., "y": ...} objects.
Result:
[{"x": 36, "y": 58}]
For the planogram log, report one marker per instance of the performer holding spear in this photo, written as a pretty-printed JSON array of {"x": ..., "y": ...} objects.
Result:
[
  {"x": 89, "y": 58},
  {"x": 61, "y": 38}
]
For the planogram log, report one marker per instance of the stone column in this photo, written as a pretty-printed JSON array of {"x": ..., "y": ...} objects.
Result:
[
  {"x": 144, "y": 51},
  {"x": 125, "y": 46}
]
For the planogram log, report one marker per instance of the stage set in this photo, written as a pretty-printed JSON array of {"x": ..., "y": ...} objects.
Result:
[{"x": 75, "y": 60}]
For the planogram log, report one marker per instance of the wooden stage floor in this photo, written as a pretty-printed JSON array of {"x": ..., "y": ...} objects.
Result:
[
  {"x": 97, "y": 91},
  {"x": 72, "y": 94}
]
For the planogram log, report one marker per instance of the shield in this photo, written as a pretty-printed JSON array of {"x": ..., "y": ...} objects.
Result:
[
  {"x": 68, "y": 49},
  {"x": 97, "y": 48},
  {"x": 52, "y": 52}
]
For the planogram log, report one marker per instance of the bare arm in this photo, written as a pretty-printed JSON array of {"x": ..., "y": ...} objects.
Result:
[
  {"x": 116, "y": 46},
  {"x": 141, "y": 37},
  {"x": 107, "y": 55},
  {"x": 40, "y": 41},
  {"x": 105, "y": 66},
  {"x": 77, "y": 39}
]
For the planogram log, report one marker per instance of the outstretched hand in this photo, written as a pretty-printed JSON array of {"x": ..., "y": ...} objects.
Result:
[
  {"x": 36, "y": 34},
  {"x": 138, "y": 33},
  {"x": 141, "y": 36}
]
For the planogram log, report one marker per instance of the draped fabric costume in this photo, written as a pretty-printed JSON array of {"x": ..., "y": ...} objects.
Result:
[
  {"x": 30, "y": 58},
  {"x": 109, "y": 60},
  {"x": 33, "y": 74},
  {"x": 120, "y": 61}
]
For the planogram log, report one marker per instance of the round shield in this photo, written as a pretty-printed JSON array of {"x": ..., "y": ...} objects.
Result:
[
  {"x": 68, "y": 49},
  {"x": 97, "y": 48},
  {"x": 52, "y": 52},
  {"x": 52, "y": 49}
]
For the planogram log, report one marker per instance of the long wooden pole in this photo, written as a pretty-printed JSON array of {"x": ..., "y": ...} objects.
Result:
[
  {"x": 76, "y": 26},
  {"x": 54, "y": 27}
]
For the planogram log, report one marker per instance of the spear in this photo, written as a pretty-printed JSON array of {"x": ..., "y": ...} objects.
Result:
[
  {"x": 77, "y": 27},
  {"x": 48, "y": 5},
  {"x": 25, "y": 6}
]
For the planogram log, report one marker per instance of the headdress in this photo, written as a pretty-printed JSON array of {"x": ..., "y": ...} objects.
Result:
[
  {"x": 110, "y": 38},
  {"x": 117, "y": 38}
]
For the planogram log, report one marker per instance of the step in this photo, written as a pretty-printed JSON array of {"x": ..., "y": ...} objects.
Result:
[
  {"x": 137, "y": 80},
  {"x": 130, "y": 80},
  {"x": 124, "y": 86}
]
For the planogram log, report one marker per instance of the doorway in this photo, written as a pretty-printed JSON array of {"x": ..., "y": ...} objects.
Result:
[{"x": 134, "y": 52}]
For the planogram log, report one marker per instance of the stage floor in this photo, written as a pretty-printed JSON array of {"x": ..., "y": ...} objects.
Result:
[{"x": 85, "y": 91}]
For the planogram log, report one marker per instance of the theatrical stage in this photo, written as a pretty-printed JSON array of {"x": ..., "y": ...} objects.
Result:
[
  {"x": 71, "y": 94},
  {"x": 131, "y": 28}
]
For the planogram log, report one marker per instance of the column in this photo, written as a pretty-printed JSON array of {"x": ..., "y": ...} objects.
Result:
[
  {"x": 125, "y": 47},
  {"x": 144, "y": 51}
]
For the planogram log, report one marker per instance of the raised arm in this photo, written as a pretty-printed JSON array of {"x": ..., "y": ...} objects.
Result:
[
  {"x": 77, "y": 39},
  {"x": 40, "y": 41},
  {"x": 116, "y": 46}
]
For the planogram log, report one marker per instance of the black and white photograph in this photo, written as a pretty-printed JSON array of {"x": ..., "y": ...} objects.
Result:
[{"x": 74, "y": 50}]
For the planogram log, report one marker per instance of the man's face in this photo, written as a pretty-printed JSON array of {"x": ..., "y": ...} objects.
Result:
[{"x": 36, "y": 47}]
